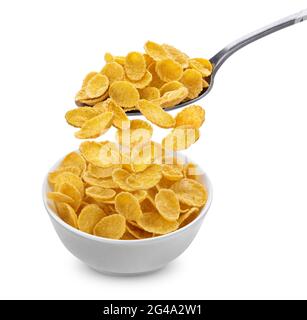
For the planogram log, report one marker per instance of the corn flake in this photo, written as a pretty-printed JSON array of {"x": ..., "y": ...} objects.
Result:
[
  {"x": 135, "y": 66},
  {"x": 205, "y": 84},
  {"x": 180, "y": 138},
  {"x": 101, "y": 173},
  {"x": 148, "y": 59},
  {"x": 120, "y": 60},
  {"x": 87, "y": 78},
  {"x": 113, "y": 227},
  {"x": 192, "y": 171},
  {"x": 137, "y": 232},
  {"x": 120, "y": 119},
  {"x": 52, "y": 176},
  {"x": 96, "y": 126},
  {"x": 193, "y": 81},
  {"x": 113, "y": 71},
  {"x": 145, "y": 179},
  {"x": 143, "y": 82},
  {"x": 150, "y": 93},
  {"x": 103, "y": 154},
  {"x": 192, "y": 115},
  {"x": 90, "y": 102},
  {"x": 128, "y": 205},
  {"x": 156, "y": 114},
  {"x": 120, "y": 176},
  {"x": 89, "y": 216},
  {"x": 155, "y": 79},
  {"x": 155, "y": 51},
  {"x": 177, "y": 55},
  {"x": 97, "y": 86},
  {"x": 59, "y": 197},
  {"x": 140, "y": 132},
  {"x": 170, "y": 86},
  {"x": 67, "y": 214},
  {"x": 73, "y": 159},
  {"x": 169, "y": 70},
  {"x": 188, "y": 216},
  {"x": 71, "y": 191},
  {"x": 202, "y": 65},
  {"x": 124, "y": 94},
  {"x": 68, "y": 177},
  {"x": 104, "y": 106},
  {"x": 172, "y": 98},
  {"x": 100, "y": 194},
  {"x": 172, "y": 172},
  {"x": 108, "y": 57},
  {"x": 90, "y": 150},
  {"x": 155, "y": 223},
  {"x": 167, "y": 204},
  {"x": 99, "y": 182},
  {"x": 190, "y": 192},
  {"x": 140, "y": 195},
  {"x": 128, "y": 236},
  {"x": 77, "y": 117}
]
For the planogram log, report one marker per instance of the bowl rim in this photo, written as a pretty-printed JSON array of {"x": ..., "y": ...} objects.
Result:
[{"x": 88, "y": 236}]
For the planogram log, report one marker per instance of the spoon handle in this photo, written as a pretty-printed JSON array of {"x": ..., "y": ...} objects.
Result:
[{"x": 225, "y": 53}]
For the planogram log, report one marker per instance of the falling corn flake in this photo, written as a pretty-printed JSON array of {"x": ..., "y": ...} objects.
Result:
[
  {"x": 77, "y": 117},
  {"x": 96, "y": 126},
  {"x": 193, "y": 116},
  {"x": 180, "y": 138},
  {"x": 155, "y": 114}
]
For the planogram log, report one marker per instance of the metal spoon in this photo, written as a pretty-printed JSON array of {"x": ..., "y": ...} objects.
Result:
[{"x": 218, "y": 59}]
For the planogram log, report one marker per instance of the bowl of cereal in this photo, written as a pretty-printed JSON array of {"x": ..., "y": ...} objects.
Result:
[{"x": 119, "y": 221}]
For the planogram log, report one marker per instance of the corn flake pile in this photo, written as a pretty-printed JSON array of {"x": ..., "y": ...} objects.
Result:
[
  {"x": 163, "y": 75},
  {"x": 135, "y": 188},
  {"x": 119, "y": 203}
]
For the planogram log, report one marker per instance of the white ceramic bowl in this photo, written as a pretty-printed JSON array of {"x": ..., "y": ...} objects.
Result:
[{"x": 125, "y": 256}]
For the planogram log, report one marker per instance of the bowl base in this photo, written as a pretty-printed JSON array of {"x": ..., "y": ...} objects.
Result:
[{"x": 127, "y": 274}]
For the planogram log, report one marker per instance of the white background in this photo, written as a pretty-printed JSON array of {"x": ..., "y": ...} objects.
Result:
[{"x": 253, "y": 145}]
